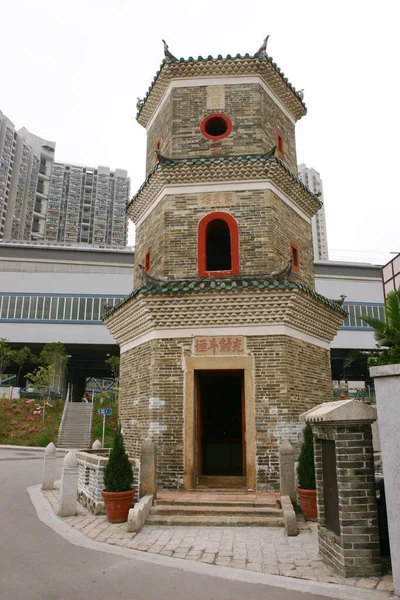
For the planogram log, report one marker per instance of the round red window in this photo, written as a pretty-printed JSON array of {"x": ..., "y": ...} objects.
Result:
[{"x": 216, "y": 126}]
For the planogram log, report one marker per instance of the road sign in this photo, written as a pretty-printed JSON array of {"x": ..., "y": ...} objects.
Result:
[{"x": 105, "y": 411}]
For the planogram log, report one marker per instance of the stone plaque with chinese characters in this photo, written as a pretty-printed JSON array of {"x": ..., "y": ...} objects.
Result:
[
  {"x": 219, "y": 345},
  {"x": 215, "y": 96},
  {"x": 217, "y": 198}
]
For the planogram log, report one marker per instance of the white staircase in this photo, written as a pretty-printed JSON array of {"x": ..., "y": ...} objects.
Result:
[{"x": 76, "y": 426}]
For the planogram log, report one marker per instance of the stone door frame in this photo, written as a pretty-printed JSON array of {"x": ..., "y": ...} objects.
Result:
[{"x": 217, "y": 363}]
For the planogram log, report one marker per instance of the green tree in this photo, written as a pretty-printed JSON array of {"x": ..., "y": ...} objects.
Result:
[
  {"x": 113, "y": 362},
  {"x": 20, "y": 357},
  {"x": 306, "y": 465},
  {"x": 54, "y": 355},
  {"x": 6, "y": 355},
  {"x": 41, "y": 380},
  {"x": 118, "y": 475},
  {"x": 387, "y": 332}
]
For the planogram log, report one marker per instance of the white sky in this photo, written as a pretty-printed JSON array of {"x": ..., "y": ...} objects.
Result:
[{"x": 71, "y": 72}]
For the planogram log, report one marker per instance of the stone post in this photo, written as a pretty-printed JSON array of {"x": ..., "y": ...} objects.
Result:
[
  {"x": 69, "y": 486},
  {"x": 286, "y": 469},
  {"x": 96, "y": 445},
  {"x": 148, "y": 469},
  {"x": 348, "y": 533},
  {"x": 387, "y": 388},
  {"x": 49, "y": 467}
]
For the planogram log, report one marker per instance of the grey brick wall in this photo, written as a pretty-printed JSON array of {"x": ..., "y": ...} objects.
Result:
[{"x": 355, "y": 552}]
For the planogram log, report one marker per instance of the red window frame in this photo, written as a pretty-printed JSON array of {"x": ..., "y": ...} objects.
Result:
[
  {"x": 147, "y": 261},
  {"x": 222, "y": 116},
  {"x": 280, "y": 144},
  {"x": 158, "y": 147},
  {"x": 202, "y": 245},
  {"x": 295, "y": 255}
]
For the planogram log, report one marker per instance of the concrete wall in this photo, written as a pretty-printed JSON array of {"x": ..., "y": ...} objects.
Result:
[{"x": 67, "y": 333}]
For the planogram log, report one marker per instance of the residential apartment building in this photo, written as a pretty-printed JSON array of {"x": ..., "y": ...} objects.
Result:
[
  {"x": 87, "y": 205},
  {"x": 41, "y": 200},
  {"x": 312, "y": 179}
]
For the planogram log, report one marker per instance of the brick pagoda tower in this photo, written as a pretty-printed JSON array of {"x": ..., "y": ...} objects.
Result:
[{"x": 224, "y": 341}]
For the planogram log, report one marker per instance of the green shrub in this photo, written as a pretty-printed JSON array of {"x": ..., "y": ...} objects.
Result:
[
  {"x": 306, "y": 465},
  {"x": 44, "y": 440},
  {"x": 118, "y": 475}
]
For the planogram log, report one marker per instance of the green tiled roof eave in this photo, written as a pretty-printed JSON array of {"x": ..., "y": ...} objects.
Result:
[
  {"x": 224, "y": 58},
  {"x": 214, "y": 285},
  {"x": 165, "y": 161}
]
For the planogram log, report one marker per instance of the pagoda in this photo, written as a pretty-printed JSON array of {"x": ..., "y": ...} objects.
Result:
[{"x": 224, "y": 340}]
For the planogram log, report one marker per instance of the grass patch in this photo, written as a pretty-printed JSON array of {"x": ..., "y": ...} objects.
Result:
[
  {"x": 22, "y": 424},
  {"x": 111, "y": 423}
]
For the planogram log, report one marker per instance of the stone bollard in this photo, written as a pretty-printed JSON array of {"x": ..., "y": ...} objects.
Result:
[
  {"x": 49, "y": 467},
  {"x": 69, "y": 486},
  {"x": 148, "y": 469},
  {"x": 286, "y": 468},
  {"x": 96, "y": 445}
]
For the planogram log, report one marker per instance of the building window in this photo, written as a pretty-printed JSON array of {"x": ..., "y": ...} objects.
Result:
[
  {"x": 295, "y": 255},
  {"x": 147, "y": 261},
  {"x": 218, "y": 245},
  {"x": 158, "y": 147},
  {"x": 216, "y": 126},
  {"x": 280, "y": 144}
]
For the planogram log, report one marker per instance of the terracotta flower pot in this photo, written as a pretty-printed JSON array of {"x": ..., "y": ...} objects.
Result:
[
  {"x": 117, "y": 505},
  {"x": 308, "y": 503}
]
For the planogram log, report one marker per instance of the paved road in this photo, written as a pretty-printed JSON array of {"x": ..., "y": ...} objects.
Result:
[{"x": 38, "y": 564}]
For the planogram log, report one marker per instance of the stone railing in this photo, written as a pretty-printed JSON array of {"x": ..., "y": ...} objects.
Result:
[{"x": 91, "y": 465}]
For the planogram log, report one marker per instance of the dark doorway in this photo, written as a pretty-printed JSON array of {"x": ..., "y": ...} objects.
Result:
[
  {"x": 220, "y": 423},
  {"x": 218, "y": 242}
]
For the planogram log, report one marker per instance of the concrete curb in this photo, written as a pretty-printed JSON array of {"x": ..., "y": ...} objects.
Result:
[
  {"x": 330, "y": 590},
  {"x": 32, "y": 448}
]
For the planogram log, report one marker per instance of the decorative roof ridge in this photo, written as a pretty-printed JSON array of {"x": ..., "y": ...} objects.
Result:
[
  {"x": 225, "y": 284},
  {"x": 145, "y": 182},
  {"x": 165, "y": 161},
  {"x": 298, "y": 180},
  {"x": 224, "y": 58}
]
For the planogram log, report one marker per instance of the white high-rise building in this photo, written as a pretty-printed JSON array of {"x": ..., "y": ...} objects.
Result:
[
  {"x": 25, "y": 165},
  {"x": 312, "y": 179},
  {"x": 87, "y": 205},
  {"x": 44, "y": 200}
]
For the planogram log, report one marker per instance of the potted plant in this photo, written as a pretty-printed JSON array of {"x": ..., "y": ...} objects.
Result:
[
  {"x": 118, "y": 478},
  {"x": 306, "y": 476}
]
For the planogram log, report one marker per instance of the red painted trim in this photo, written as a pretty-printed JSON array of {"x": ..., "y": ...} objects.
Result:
[
  {"x": 280, "y": 144},
  {"x": 158, "y": 147},
  {"x": 295, "y": 254},
  {"x": 222, "y": 116},
  {"x": 202, "y": 245},
  {"x": 147, "y": 261}
]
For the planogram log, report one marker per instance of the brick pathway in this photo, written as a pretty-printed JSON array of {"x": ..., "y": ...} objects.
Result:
[{"x": 262, "y": 549}]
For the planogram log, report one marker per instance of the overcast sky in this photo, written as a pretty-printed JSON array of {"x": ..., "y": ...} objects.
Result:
[{"x": 71, "y": 72}]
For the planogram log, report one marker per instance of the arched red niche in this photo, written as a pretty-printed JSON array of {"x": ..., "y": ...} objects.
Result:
[{"x": 202, "y": 245}]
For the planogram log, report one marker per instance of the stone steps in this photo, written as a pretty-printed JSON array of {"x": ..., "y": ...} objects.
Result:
[
  {"x": 76, "y": 426},
  {"x": 218, "y": 508},
  {"x": 234, "y": 503},
  {"x": 215, "y": 520}
]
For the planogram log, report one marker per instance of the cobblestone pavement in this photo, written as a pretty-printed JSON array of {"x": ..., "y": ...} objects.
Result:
[{"x": 261, "y": 549}]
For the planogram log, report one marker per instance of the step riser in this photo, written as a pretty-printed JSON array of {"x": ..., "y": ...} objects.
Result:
[
  {"x": 215, "y": 511},
  {"x": 205, "y": 503},
  {"x": 216, "y": 522}
]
